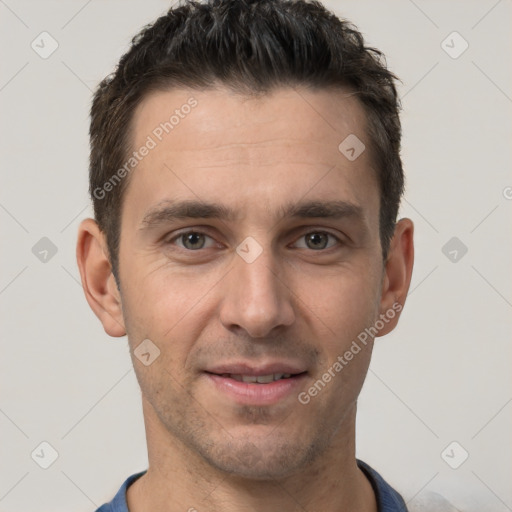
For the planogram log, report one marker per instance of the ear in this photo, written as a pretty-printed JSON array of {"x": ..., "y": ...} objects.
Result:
[
  {"x": 397, "y": 275},
  {"x": 98, "y": 281}
]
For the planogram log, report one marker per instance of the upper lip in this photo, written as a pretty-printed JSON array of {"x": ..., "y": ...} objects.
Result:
[{"x": 241, "y": 368}]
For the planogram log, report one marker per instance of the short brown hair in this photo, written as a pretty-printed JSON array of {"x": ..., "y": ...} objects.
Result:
[{"x": 253, "y": 47}]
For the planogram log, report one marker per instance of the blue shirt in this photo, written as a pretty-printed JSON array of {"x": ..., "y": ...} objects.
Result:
[{"x": 388, "y": 500}]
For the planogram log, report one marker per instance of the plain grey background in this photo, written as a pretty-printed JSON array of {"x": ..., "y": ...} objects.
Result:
[{"x": 442, "y": 377}]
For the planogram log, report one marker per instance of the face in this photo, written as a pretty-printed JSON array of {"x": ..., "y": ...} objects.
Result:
[{"x": 250, "y": 250}]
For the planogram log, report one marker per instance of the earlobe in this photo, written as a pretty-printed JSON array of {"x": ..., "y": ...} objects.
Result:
[
  {"x": 397, "y": 274},
  {"x": 98, "y": 281}
]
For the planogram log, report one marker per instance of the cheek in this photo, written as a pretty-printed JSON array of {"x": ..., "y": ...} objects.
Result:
[
  {"x": 166, "y": 306},
  {"x": 167, "y": 310},
  {"x": 337, "y": 313},
  {"x": 344, "y": 301}
]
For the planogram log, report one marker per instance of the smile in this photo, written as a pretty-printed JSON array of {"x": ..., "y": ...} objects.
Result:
[
  {"x": 257, "y": 390},
  {"x": 261, "y": 379}
]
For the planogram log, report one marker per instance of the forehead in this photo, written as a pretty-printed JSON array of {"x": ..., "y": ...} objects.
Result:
[{"x": 221, "y": 146}]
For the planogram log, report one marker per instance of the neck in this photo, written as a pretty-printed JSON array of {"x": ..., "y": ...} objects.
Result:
[{"x": 179, "y": 480}]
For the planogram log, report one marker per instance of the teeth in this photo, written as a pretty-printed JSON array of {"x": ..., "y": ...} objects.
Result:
[
  {"x": 261, "y": 379},
  {"x": 265, "y": 379}
]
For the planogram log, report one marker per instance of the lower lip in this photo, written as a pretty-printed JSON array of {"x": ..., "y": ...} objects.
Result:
[{"x": 247, "y": 393}]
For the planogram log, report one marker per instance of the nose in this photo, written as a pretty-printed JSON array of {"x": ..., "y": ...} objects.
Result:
[{"x": 255, "y": 298}]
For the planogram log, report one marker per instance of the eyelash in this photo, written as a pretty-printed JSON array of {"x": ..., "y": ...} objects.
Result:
[{"x": 190, "y": 231}]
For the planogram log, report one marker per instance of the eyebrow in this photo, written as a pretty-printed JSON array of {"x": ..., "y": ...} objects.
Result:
[
  {"x": 168, "y": 211},
  {"x": 322, "y": 209}
]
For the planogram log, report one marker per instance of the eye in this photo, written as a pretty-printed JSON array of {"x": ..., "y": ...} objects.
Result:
[
  {"x": 192, "y": 241},
  {"x": 317, "y": 241}
]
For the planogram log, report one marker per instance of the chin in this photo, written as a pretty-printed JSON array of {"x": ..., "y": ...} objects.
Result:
[
  {"x": 249, "y": 461},
  {"x": 262, "y": 471}
]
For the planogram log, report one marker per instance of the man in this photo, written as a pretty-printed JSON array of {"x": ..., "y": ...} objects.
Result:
[{"x": 246, "y": 179}]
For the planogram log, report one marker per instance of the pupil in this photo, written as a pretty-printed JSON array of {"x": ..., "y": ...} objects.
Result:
[
  {"x": 193, "y": 241},
  {"x": 317, "y": 240}
]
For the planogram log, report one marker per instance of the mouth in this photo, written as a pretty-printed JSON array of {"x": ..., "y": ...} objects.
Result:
[
  {"x": 262, "y": 386},
  {"x": 258, "y": 379}
]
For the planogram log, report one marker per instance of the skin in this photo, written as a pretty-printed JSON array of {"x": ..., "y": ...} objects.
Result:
[{"x": 255, "y": 156}]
